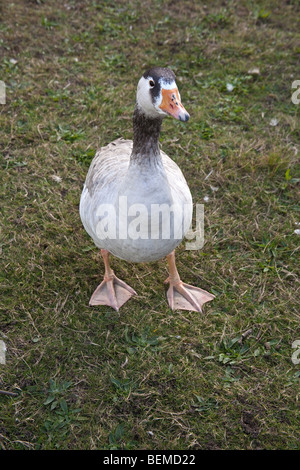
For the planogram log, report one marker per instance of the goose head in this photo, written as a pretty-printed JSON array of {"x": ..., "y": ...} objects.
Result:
[{"x": 158, "y": 95}]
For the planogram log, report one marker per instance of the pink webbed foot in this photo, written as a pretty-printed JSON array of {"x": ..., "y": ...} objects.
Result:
[
  {"x": 112, "y": 292},
  {"x": 183, "y": 296}
]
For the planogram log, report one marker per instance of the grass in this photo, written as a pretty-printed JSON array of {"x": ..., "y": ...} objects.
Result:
[{"x": 150, "y": 378}]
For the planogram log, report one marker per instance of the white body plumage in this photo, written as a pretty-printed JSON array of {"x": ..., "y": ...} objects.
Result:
[{"x": 144, "y": 233}]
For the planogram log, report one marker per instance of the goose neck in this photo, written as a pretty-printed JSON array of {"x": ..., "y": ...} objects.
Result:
[{"x": 146, "y": 131}]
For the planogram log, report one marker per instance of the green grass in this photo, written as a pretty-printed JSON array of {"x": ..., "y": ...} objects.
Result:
[{"x": 150, "y": 378}]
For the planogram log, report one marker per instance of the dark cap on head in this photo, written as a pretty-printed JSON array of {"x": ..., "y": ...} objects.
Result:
[{"x": 160, "y": 72}]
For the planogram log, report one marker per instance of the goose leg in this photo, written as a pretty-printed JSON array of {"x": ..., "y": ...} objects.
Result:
[
  {"x": 112, "y": 291},
  {"x": 183, "y": 296}
]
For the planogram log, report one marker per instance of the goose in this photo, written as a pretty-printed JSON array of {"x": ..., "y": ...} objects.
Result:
[{"x": 135, "y": 203}]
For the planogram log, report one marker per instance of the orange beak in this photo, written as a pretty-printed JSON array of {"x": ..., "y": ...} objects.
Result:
[{"x": 171, "y": 105}]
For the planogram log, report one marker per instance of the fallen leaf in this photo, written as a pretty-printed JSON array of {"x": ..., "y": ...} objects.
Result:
[
  {"x": 254, "y": 71},
  {"x": 56, "y": 178},
  {"x": 274, "y": 122}
]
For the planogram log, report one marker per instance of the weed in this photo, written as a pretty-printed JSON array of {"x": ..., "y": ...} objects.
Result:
[
  {"x": 62, "y": 416},
  {"x": 205, "y": 405}
]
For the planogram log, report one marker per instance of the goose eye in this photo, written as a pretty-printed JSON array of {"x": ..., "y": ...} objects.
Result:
[{"x": 151, "y": 83}]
